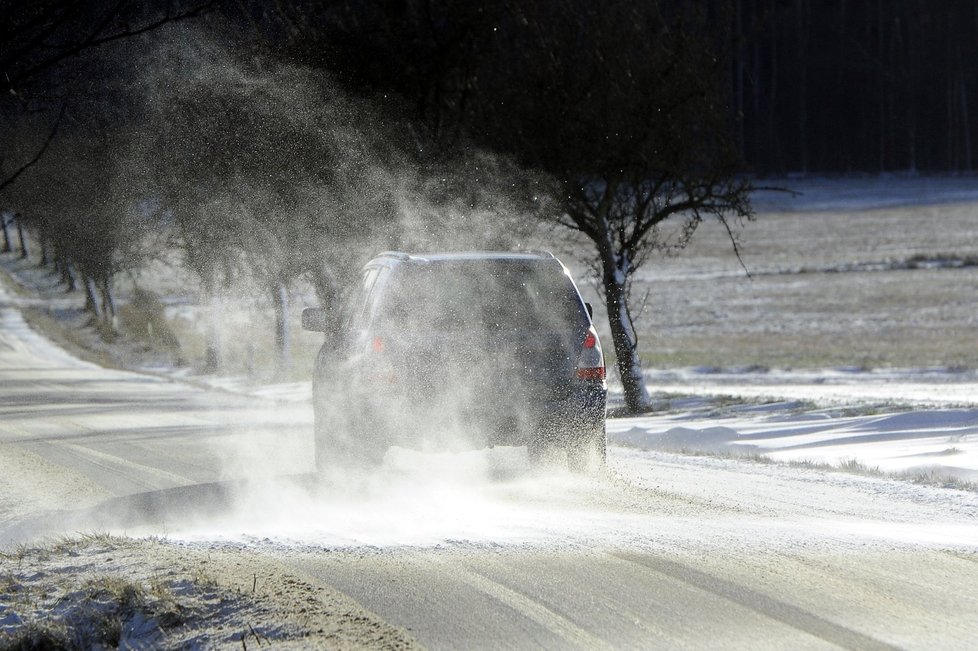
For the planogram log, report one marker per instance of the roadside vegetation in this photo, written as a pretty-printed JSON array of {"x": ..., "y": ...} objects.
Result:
[{"x": 101, "y": 591}]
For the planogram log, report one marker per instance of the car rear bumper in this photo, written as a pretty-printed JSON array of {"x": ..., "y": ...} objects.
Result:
[{"x": 486, "y": 418}]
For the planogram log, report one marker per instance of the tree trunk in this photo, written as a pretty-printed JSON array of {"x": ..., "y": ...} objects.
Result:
[
  {"x": 7, "y": 248},
  {"x": 108, "y": 304},
  {"x": 23, "y": 239},
  {"x": 881, "y": 77},
  {"x": 801, "y": 41},
  {"x": 91, "y": 297},
  {"x": 965, "y": 126},
  {"x": 45, "y": 255},
  {"x": 68, "y": 275},
  {"x": 326, "y": 292},
  {"x": 212, "y": 347},
  {"x": 615, "y": 270},
  {"x": 283, "y": 342}
]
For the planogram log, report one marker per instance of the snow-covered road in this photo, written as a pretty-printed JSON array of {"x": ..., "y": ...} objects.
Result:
[
  {"x": 73, "y": 434},
  {"x": 476, "y": 549}
]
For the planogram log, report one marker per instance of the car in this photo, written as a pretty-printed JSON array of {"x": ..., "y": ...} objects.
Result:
[{"x": 460, "y": 350}]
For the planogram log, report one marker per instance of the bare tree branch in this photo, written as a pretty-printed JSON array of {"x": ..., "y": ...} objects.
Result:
[
  {"x": 44, "y": 147},
  {"x": 96, "y": 37}
]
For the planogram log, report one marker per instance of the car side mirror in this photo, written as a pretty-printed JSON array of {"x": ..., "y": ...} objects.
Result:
[
  {"x": 590, "y": 310},
  {"x": 316, "y": 319}
]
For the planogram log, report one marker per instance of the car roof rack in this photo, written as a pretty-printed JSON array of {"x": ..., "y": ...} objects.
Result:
[
  {"x": 404, "y": 257},
  {"x": 397, "y": 255},
  {"x": 541, "y": 252}
]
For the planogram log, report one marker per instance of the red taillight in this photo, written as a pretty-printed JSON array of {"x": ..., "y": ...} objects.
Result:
[
  {"x": 590, "y": 363},
  {"x": 377, "y": 345},
  {"x": 596, "y": 373}
]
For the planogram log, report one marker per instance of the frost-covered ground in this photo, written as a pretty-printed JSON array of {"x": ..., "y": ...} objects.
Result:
[{"x": 108, "y": 592}]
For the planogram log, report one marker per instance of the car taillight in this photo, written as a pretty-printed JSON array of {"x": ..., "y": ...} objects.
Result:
[
  {"x": 591, "y": 373},
  {"x": 377, "y": 367},
  {"x": 590, "y": 363}
]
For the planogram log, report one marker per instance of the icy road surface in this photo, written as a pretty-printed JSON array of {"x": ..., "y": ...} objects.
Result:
[{"x": 476, "y": 550}]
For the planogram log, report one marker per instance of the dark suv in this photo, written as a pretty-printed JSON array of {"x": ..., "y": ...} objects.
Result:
[{"x": 461, "y": 350}]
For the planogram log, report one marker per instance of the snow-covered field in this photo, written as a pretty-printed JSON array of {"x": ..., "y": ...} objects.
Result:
[
  {"x": 854, "y": 339},
  {"x": 916, "y": 424},
  {"x": 884, "y": 279}
]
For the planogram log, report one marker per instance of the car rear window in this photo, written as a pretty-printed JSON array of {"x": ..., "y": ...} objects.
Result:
[{"x": 493, "y": 295}]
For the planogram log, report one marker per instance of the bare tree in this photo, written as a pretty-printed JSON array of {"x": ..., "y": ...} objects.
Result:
[
  {"x": 37, "y": 37},
  {"x": 266, "y": 172},
  {"x": 633, "y": 128},
  {"x": 93, "y": 223}
]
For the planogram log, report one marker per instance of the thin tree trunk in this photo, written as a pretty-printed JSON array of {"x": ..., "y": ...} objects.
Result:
[
  {"x": 773, "y": 138},
  {"x": 280, "y": 299},
  {"x": 102, "y": 294},
  {"x": 966, "y": 125},
  {"x": 801, "y": 35},
  {"x": 758, "y": 129},
  {"x": 326, "y": 292},
  {"x": 212, "y": 348},
  {"x": 108, "y": 304},
  {"x": 23, "y": 239},
  {"x": 4, "y": 223},
  {"x": 91, "y": 297},
  {"x": 950, "y": 127},
  {"x": 881, "y": 73},
  {"x": 68, "y": 275},
  {"x": 739, "y": 72},
  {"x": 45, "y": 253}
]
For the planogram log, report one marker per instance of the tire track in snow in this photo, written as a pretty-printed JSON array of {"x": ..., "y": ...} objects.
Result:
[
  {"x": 759, "y": 602},
  {"x": 141, "y": 476},
  {"x": 571, "y": 635}
]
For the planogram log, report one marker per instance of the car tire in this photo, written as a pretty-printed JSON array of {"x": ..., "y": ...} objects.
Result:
[
  {"x": 370, "y": 441},
  {"x": 356, "y": 447},
  {"x": 332, "y": 450},
  {"x": 588, "y": 452},
  {"x": 362, "y": 443},
  {"x": 541, "y": 453},
  {"x": 346, "y": 438}
]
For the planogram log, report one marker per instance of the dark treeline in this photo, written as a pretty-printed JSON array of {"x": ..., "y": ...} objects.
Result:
[
  {"x": 812, "y": 85},
  {"x": 855, "y": 86}
]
